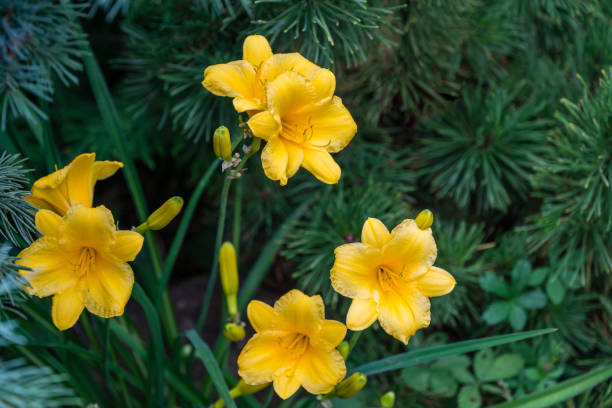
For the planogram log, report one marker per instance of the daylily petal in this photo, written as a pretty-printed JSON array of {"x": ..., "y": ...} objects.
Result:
[
  {"x": 80, "y": 181},
  {"x": 256, "y": 50},
  {"x": 435, "y": 282},
  {"x": 264, "y": 125},
  {"x": 67, "y": 307},
  {"x": 333, "y": 127},
  {"x": 109, "y": 287},
  {"x": 47, "y": 222},
  {"x": 260, "y": 359},
  {"x": 247, "y": 104},
  {"x": 411, "y": 251},
  {"x": 375, "y": 233},
  {"x": 402, "y": 314},
  {"x": 299, "y": 312},
  {"x": 127, "y": 245},
  {"x": 324, "y": 83},
  {"x": 289, "y": 95},
  {"x": 281, "y": 63},
  {"x": 52, "y": 271},
  {"x": 50, "y": 192},
  {"x": 274, "y": 159},
  {"x": 86, "y": 227},
  {"x": 321, "y": 165},
  {"x": 331, "y": 333},
  {"x": 262, "y": 316},
  {"x": 105, "y": 169},
  {"x": 236, "y": 78},
  {"x": 285, "y": 384},
  {"x": 319, "y": 370},
  {"x": 295, "y": 157},
  {"x": 361, "y": 314},
  {"x": 354, "y": 272}
]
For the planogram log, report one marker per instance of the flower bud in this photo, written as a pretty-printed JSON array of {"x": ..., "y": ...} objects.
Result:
[
  {"x": 186, "y": 350},
  {"x": 229, "y": 275},
  {"x": 239, "y": 390},
  {"x": 255, "y": 145},
  {"x": 233, "y": 332},
  {"x": 344, "y": 349},
  {"x": 387, "y": 400},
  {"x": 351, "y": 385},
  {"x": 222, "y": 143},
  {"x": 162, "y": 216},
  {"x": 424, "y": 220}
]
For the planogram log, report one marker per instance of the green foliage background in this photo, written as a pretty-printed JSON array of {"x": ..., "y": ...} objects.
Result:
[{"x": 494, "y": 114}]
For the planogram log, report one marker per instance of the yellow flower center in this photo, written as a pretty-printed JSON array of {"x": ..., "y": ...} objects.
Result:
[
  {"x": 387, "y": 279},
  {"x": 295, "y": 343},
  {"x": 297, "y": 131},
  {"x": 86, "y": 262}
]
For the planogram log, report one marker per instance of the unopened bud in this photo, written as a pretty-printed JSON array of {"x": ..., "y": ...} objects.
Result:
[
  {"x": 233, "y": 332},
  {"x": 186, "y": 350},
  {"x": 255, "y": 145},
  {"x": 229, "y": 275},
  {"x": 387, "y": 400},
  {"x": 222, "y": 143},
  {"x": 424, "y": 220},
  {"x": 239, "y": 390},
  {"x": 344, "y": 348},
  {"x": 162, "y": 216},
  {"x": 351, "y": 386}
]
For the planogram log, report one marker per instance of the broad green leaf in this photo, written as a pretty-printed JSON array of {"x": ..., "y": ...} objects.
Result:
[
  {"x": 495, "y": 284},
  {"x": 483, "y": 360},
  {"x": 443, "y": 384},
  {"x": 469, "y": 397},
  {"x": 555, "y": 290},
  {"x": 520, "y": 275},
  {"x": 212, "y": 367},
  {"x": 504, "y": 366},
  {"x": 416, "y": 378},
  {"x": 537, "y": 276},
  {"x": 415, "y": 357},
  {"x": 517, "y": 317},
  {"x": 562, "y": 391},
  {"x": 497, "y": 312},
  {"x": 536, "y": 299}
]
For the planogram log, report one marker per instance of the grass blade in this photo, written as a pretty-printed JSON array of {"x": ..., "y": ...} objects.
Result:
[
  {"x": 212, "y": 367},
  {"x": 561, "y": 392},
  {"x": 433, "y": 353}
]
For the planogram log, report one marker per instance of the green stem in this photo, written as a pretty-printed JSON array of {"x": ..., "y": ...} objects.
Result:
[
  {"x": 113, "y": 126},
  {"x": 353, "y": 340},
  {"x": 237, "y": 216}
]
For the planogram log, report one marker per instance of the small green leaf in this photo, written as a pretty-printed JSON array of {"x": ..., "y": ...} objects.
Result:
[
  {"x": 517, "y": 317},
  {"x": 469, "y": 397},
  {"x": 537, "y": 276},
  {"x": 443, "y": 384},
  {"x": 495, "y": 284},
  {"x": 555, "y": 290},
  {"x": 536, "y": 299},
  {"x": 504, "y": 366},
  {"x": 416, "y": 378},
  {"x": 520, "y": 275},
  {"x": 483, "y": 360},
  {"x": 497, "y": 312}
]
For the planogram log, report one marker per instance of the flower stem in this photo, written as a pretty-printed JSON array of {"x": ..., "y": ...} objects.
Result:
[{"x": 353, "y": 340}]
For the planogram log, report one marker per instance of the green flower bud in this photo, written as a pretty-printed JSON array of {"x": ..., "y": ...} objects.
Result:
[
  {"x": 222, "y": 143},
  {"x": 424, "y": 220},
  {"x": 351, "y": 385},
  {"x": 162, "y": 216},
  {"x": 233, "y": 332},
  {"x": 229, "y": 275},
  {"x": 387, "y": 400},
  {"x": 344, "y": 349}
]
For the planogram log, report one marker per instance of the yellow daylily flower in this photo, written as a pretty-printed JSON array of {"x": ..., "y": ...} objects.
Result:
[
  {"x": 390, "y": 277},
  {"x": 71, "y": 185},
  {"x": 293, "y": 346},
  {"x": 81, "y": 260},
  {"x": 303, "y": 123}
]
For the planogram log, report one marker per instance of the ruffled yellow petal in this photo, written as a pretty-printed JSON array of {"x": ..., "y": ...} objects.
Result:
[
  {"x": 354, "y": 271},
  {"x": 52, "y": 270},
  {"x": 242, "y": 104},
  {"x": 105, "y": 169},
  {"x": 402, "y": 313},
  {"x": 234, "y": 79},
  {"x": 264, "y": 125},
  {"x": 47, "y": 222},
  {"x": 324, "y": 83},
  {"x": 333, "y": 127},
  {"x": 361, "y": 314},
  {"x": 289, "y": 96},
  {"x": 375, "y": 233},
  {"x": 299, "y": 312},
  {"x": 319, "y": 370},
  {"x": 127, "y": 245},
  {"x": 86, "y": 227},
  {"x": 67, "y": 307},
  {"x": 80, "y": 180},
  {"x": 262, "y": 316},
  {"x": 435, "y": 282},
  {"x": 285, "y": 384},
  {"x": 321, "y": 165},
  {"x": 281, "y": 63},
  {"x": 331, "y": 333},
  {"x": 274, "y": 159},
  {"x": 411, "y": 251},
  {"x": 51, "y": 192},
  {"x": 109, "y": 287},
  {"x": 261, "y": 358},
  {"x": 256, "y": 50}
]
